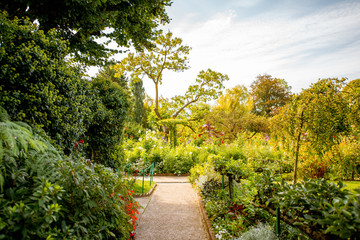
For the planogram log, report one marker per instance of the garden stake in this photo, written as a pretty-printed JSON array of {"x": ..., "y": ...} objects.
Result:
[
  {"x": 222, "y": 182},
  {"x": 230, "y": 186},
  {"x": 278, "y": 229},
  {"x": 142, "y": 190}
]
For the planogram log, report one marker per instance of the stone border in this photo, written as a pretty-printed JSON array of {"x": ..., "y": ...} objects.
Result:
[
  {"x": 205, "y": 218},
  {"x": 171, "y": 175},
  {"x": 146, "y": 194}
]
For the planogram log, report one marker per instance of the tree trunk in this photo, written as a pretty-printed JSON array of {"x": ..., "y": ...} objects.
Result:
[{"x": 298, "y": 147}]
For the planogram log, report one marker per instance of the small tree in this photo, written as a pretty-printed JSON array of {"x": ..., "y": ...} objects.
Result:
[{"x": 320, "y": 113}]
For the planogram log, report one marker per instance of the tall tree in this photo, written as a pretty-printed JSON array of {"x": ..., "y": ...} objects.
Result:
[
  {"x": 138, "y": 94},
  {"x": 84, "y": 22},
  {"x": 231, "y": 114},
  {"x": 352, "y": 93},
  {"x": 269, "y": 93},
  {"x": 108, "y": 73},
  {"x": 170, "y": 54}
]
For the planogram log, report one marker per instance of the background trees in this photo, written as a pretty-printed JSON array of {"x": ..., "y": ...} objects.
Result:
[
  {"x": 83, "y": 22},
  {"x": 268, "y": 94}
]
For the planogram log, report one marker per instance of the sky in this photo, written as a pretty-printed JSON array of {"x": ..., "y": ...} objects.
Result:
[{"x": 299, "y": 41}]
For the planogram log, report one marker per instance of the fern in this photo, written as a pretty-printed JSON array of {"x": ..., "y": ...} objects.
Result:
[{"x": 18, "y": 141}]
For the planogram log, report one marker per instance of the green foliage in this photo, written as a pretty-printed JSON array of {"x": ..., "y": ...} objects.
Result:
[
  {"x": 202, "y": 173},
  {"x": 38, "y": 85},
  {"x": 44, "y": 196},
  {"x": 96, "y": 200},
  {"x": 82, "y": 23},
  {"x": 268, "y": 94},
  {"x": 344, "y": 159},
  {"x": 318, "y": 207},
  {"x": 104, "y": 132},
  {"x": 316, "y": 118},
  {"x": 138, "y": 93}
]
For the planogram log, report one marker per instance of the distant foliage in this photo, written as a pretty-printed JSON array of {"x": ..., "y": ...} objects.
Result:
[{"x": 268, "y": 94}]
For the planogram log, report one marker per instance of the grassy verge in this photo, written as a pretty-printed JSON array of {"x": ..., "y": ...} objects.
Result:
[
  {"x": 137, "y": 187},
  {"x": 352, "y": 185}
]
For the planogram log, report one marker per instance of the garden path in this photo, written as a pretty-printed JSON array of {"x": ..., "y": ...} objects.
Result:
[{"x": 171, "y": 212}]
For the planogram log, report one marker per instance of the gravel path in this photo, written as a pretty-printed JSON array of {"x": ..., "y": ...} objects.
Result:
[{"x": 171, "y": 212}]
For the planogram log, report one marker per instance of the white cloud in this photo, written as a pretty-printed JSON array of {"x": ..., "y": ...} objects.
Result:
[{"x": 300, "y": 50}]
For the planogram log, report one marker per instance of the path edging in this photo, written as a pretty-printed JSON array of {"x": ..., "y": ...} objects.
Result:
[
  {"x": 205, "y": 218},
  {"x": 146, "y": 194}
]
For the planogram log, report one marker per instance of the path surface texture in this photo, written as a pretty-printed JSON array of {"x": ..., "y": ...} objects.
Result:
[{"x": 171, "y": 212}]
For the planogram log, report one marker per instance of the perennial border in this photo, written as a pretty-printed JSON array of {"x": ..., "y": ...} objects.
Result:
[{"x": 205, "y": 218}]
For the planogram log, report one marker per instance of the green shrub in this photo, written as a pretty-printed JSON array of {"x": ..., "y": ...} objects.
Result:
[
  {"x": 323, "y": 207},
  {"x": 46, "y": 196},
  {"x": 39, "y": 86},
  {"x": 344, "y": 159}
]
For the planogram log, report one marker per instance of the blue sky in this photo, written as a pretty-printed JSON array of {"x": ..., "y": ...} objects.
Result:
[{"x": 299, "y": 41}]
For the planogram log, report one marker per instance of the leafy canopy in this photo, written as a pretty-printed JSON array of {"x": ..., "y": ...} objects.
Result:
[
  {"x": 170, "y": 54},
  {"x": 269, "y": 93},
  {"x": 91, "y": 25}
]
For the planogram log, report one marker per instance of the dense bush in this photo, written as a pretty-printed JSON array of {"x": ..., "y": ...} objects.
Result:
[
  {"x": 47, "y": 196},
  {"x": 344, "y": 159},
  {"x": 105, "y": 131},
  {"x": 38, "y": 85}
]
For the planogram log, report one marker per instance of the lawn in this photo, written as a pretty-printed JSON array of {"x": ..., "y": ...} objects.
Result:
[
  {"x": 351, "y": 185},
  {"x": 137, "y": 187}
]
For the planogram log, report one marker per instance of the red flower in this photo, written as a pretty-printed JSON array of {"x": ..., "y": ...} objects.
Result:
[
  {"x": 222, "y": 141},
  {"x": 333, "y": 136},
  {"x": 131, "y": 136},
  {"x": 199, "y": 135},
  {"x": 81, "y": 141},
  {"x": 194, "y": 137}
]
